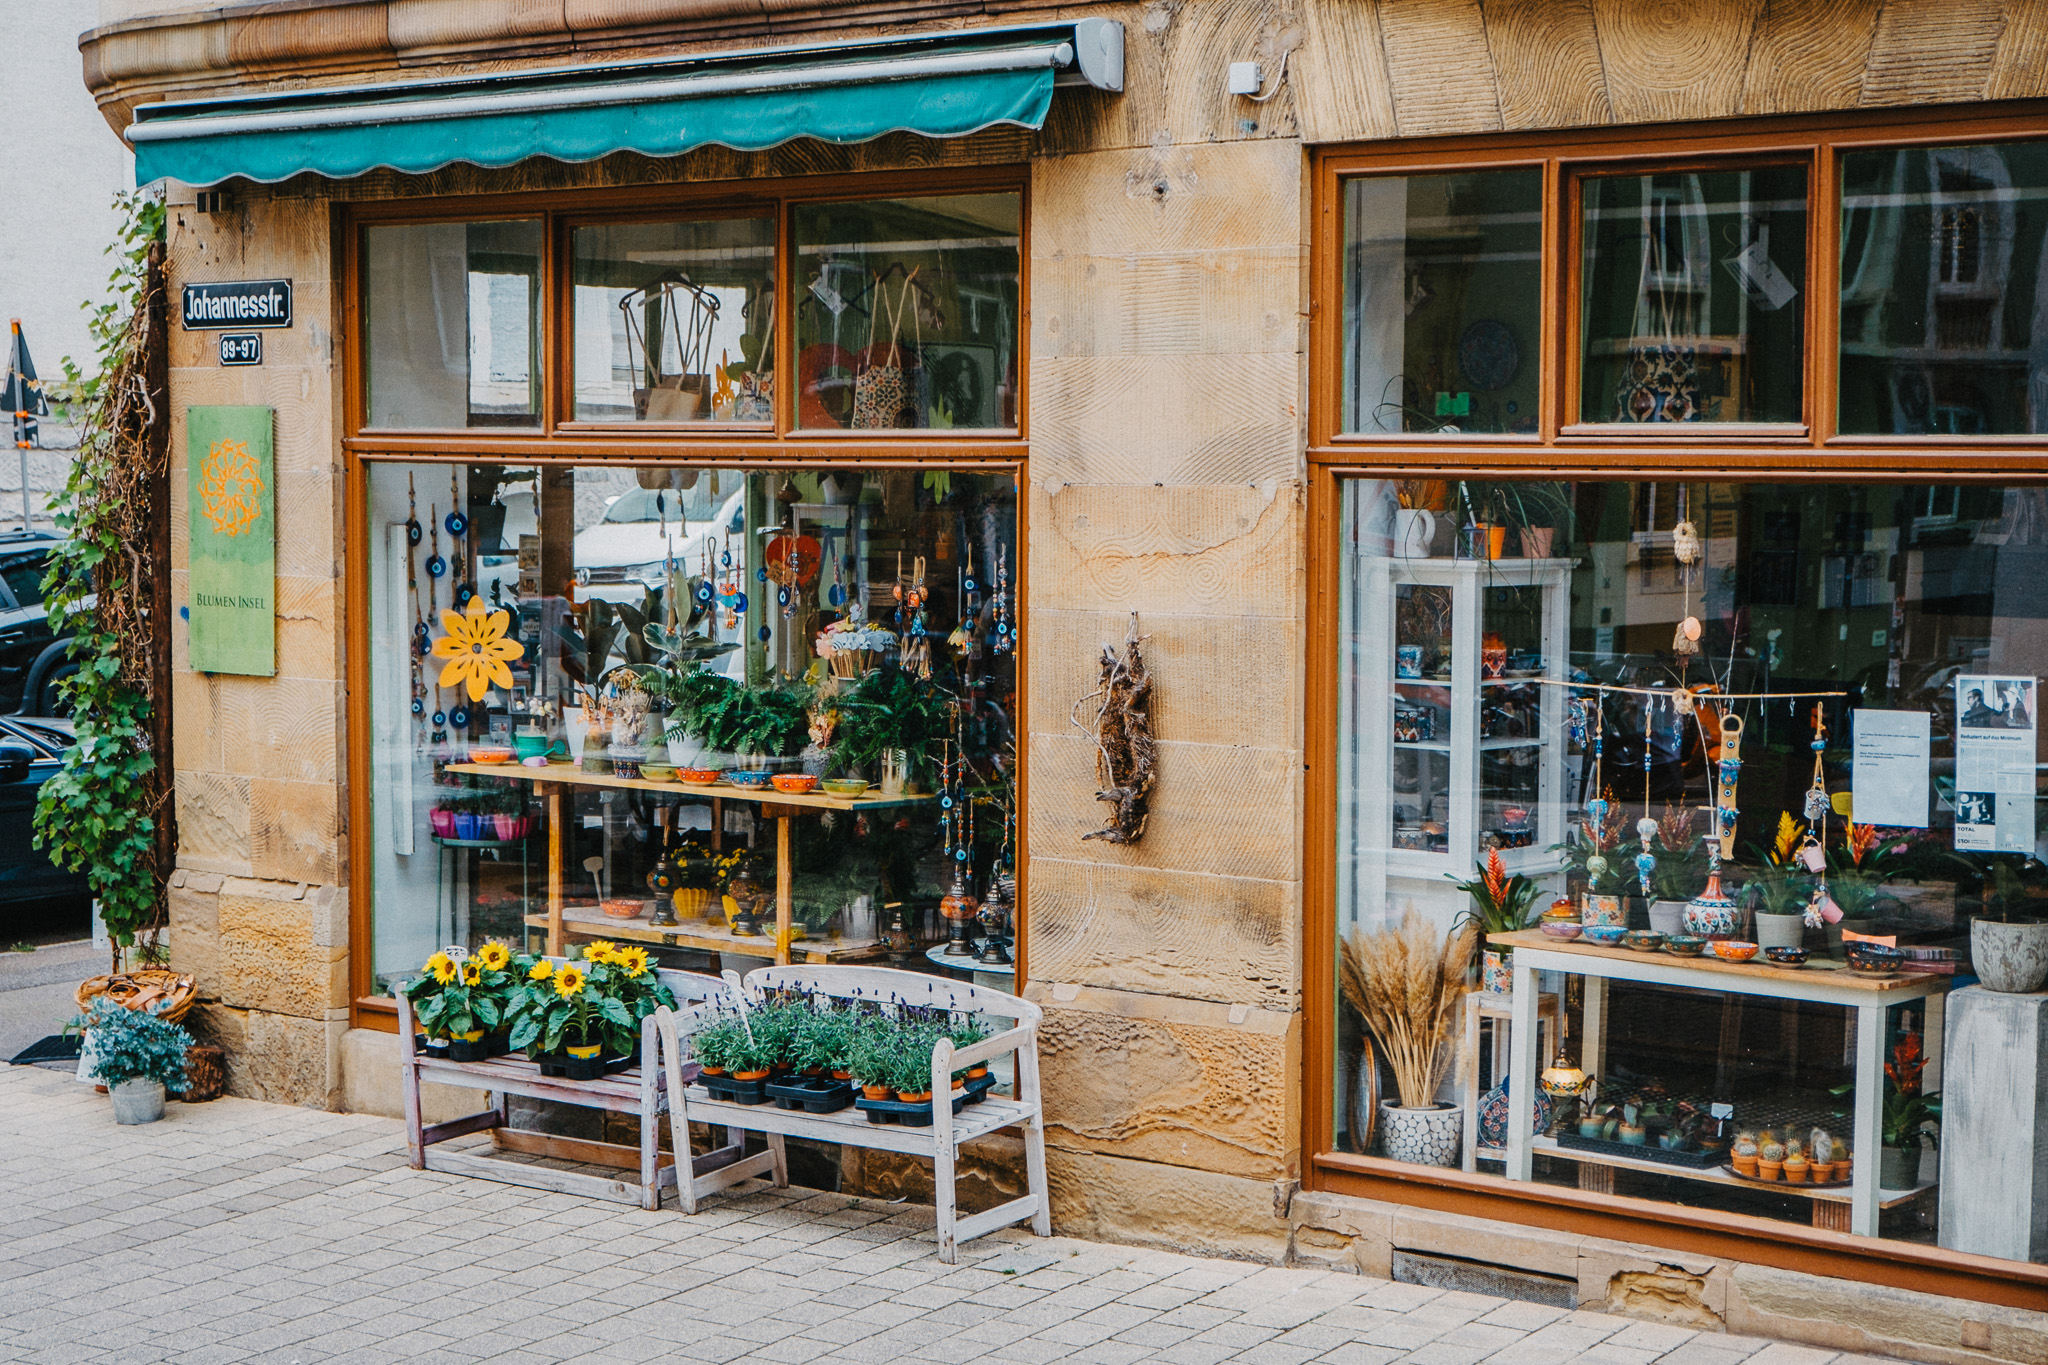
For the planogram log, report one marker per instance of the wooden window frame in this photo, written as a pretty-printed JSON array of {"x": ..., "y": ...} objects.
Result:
[
  {"x": 557, "y": 441},
  {"x": 1820, "y": 454}
]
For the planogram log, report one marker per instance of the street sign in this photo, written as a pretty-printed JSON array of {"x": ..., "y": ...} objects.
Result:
[
  {"x": 245, "y": 303},
  {"x": 241, "y": 348}
]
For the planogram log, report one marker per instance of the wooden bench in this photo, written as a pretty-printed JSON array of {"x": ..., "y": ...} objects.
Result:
[
  {"x": 940, "y": 1143},
  {"x": 642, "y": 1091}
]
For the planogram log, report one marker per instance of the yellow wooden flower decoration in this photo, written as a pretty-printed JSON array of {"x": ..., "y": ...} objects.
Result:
[{"x": 477, "y": 649}]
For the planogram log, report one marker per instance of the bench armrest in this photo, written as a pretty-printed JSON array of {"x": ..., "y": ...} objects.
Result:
[{"x": 1009, "y": 1040}]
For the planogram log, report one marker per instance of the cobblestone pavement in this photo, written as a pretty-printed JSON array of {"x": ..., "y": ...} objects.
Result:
[{"x": 238, "y": 1231}]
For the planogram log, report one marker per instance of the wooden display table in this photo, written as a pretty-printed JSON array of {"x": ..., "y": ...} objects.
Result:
[
  {"x": 1537, "y": 951},
  {"x": 549, "y": 784}
]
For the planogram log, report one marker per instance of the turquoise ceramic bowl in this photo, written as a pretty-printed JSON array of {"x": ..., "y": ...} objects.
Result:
[{"x": 1603, "y": 935}]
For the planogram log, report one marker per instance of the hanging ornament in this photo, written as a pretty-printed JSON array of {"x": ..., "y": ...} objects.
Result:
[
  {"x": 459, "y": 717},
  {"x": 413, "y": 531},
  {"x": 1728, "y": 771},
  {"x": 456, "y": 523},
  {"x": 436, "y": 566},
  {"x": 1685, "y": 641},
  {"x": 1685, "y": 543},
  {"x": 1646, "y": 861},
  {"x": 477, "y": 649},
  {"x": 463, "y": 592},
  {"x": 1817, "y": 793}
]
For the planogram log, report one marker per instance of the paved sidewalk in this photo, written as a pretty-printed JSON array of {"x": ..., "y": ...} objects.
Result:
[{"x": 237, "y": 1231}]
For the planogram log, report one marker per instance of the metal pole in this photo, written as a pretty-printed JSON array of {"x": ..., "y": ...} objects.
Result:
[{"x": 21, "y": 444}]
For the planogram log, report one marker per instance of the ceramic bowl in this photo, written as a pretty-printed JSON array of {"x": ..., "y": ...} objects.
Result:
[
  {"x": 1564, "y": 929},
  {"x": 845, "y": 786},
  {"x": 749, "y": 779},
  {"x": 1606, "y": 935},
  {"x": 624, "y": 907},
  {"x": 657, "y": 772},
  {"x": 1643, "y": 940},
  {"x": 1874, "y": 959},
  {"x": 1734, "y": 950},
  {"x": 700, "y": 777},
  {"x": 489, "y": 753},
  {"x": 794, "y": 784},
  {"x": 1785, "y": 957},
  {"x": 1684, "y": 945}
]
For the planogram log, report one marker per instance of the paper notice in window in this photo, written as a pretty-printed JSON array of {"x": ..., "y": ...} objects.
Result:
[
  {"x": 1888, "y": 778},
  {"x": 1995, "y": 757}
]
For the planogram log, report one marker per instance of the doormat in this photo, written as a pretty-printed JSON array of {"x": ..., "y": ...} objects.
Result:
[{"x": 57, "y": 1047}]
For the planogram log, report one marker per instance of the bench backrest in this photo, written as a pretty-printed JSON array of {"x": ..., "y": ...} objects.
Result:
[{"x": 886, "y": 985}]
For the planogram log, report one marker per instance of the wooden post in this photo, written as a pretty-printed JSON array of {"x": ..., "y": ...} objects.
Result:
[
  {"x": 556, "y": 840},
  {"x": 785, "y": 876}
]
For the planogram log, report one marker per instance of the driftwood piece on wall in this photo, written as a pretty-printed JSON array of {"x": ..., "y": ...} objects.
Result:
[{"x": 1126, "y": 756}]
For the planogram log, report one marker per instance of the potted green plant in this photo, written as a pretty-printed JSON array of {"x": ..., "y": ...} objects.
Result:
[
  {"x": 1499, "y": 904},
  {"x": 1779, "y": 888},
  {"x": 890, "y": 724},
  {"x": 460, "y": 1002},
  {"x": 580, "y": 1019},
  {"x": 1908, "y": 1118},
  {"x": 1405, "y": 983},
  {"x": 873, "y": 1056},
  {"x": 136, "y": 1055},
  {"x": 2008, "y": 945}
]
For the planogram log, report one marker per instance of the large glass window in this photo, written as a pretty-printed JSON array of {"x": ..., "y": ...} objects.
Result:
[
  {"x": 907, "y": 313},
  {"x": 1781, "y": 744},
  {"x": 452, "y": 326},
  {"x": 1693, "y": 303},
  {"x": 652, "y": 649},
  {"x": 1442, "y": 302},
  {"x": 1944, "y": 293},
  {"x": 675, "y": 321}
]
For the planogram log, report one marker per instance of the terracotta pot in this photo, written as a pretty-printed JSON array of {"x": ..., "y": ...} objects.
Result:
[
  {"x": 1536, "y": 541},
  {"x": 875, "y": 1092},
  {"x": 712, "y": 1070},
  {"x": 918, "y": 1097},
  {"x": 1797, "y": 1171},
  {"x": 1770, "y": 1170},
  {"x": 1744, "y": 1165},
  {"x": 760, "y": 1075}
]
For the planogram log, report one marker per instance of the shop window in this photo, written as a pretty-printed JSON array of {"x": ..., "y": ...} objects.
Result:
[
  {"x": 907, "y": 313},
  {"x": 1944, "y": 301},
  {"x": 636, "y": 633},
  {"x": 675, "y": 321},
  {"x": 1814, "y": 715},
  {"x": 1442, "y": 278},
  {"x": 452, "y": 324},
  {"x": 1692, "y": 304}
]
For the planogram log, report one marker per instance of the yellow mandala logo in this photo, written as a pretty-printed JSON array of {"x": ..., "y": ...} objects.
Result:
[{"x": 229, "y": 488}]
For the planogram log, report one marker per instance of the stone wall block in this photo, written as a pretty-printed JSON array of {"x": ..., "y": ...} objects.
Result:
[
  {"x": 1228, "y": 939},
  {"x": 1169, "y": 1091},
  {"x": 309, "y": 639},
  {"x": 1144, "y": 1203},
  {"x": 1255, "y": 833},
  {"x": 195, "y": 938},
  {"x": 990, "y": 1172},
  {"x": 330, "y": 916},
  {"x": 274, "y": 1057},
  {"x": 288, "y": 728},
  {"x": 213, "y": 822},
  {"x": 1842, "y": 1315},
  {"x": 1174, "y": 419},
  {"x": 1233, "y": 301},
  {"x": 296, "y": 831},
  {"x": 1207, "y": 551},
  {"x": 195, "y": 717},
  {"x": 269, "y": 960},
  {"x": 1166, "y": 198}
]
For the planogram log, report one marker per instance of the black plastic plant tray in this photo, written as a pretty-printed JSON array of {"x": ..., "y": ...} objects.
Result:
[
  {"x": 979, "y": 1086},
  {"x": 739, "y": 1092},
  {"x": 1649, "y": 1151},
  {"x": 811, "y": 1094},
  {"x": 576, "y": 1069},
  {"x": 917, "y": 1115}
]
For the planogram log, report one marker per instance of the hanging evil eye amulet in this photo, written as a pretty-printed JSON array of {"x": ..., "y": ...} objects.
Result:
[
  {"x": 463, "y": 594},
  {"x": 413, "y": 531},
  {"x": 419, "y": 708},
  {"x": 765, "y": 634},
  {"x": 1646, "y": 861},
  {"x": 459, "y": 718},
  {"x": 436, "y": 567},
  {"x": 456, "y": 523},
  {"x": 440, "y": 718},
  {"x": 704, "y": 593}
]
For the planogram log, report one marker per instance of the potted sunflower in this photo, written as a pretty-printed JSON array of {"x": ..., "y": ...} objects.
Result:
[
  {"x": 460, "y": 1000},
  {"x": 582, "y": 1019}
]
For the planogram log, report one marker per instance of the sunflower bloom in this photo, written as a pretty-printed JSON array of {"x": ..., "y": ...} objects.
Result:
[
  {"x": 600, "y": 950},
  {"x": 494, "y": 956},
  {"x": 631, "y": 961},
  {"x": 472, "y": 974},
  {"x": 477, "y": 649},
  {"x": 443, "y": 967},
  {"x": 540, "y": 971},
  {"x": 569, "y": 982}
]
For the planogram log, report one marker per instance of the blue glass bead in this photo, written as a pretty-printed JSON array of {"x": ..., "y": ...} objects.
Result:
[
  {"x": 440, "y": 718},
  {"x": 456, "y": 523},
  {"x": 413, "y": 533},
  {"x": 436, "y": 567},
  {"x": 459, "y": 718},
  {"x": 766, "y": 635},
  {"x": 739, "y": 601},
  {"x": 419, "y": 708}
]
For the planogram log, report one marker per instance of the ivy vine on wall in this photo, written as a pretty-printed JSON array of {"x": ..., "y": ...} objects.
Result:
[{"x": 104, "y": 812}]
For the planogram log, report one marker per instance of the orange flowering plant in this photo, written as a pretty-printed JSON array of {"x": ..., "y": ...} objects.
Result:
[{"x": 1500, "y": 902}]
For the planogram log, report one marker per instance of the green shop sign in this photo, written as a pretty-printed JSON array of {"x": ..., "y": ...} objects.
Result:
[{"x": 232, "y": 515}]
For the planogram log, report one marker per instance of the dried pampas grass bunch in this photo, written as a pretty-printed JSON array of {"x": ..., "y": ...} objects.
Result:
[{"x": 1405, "y": 983}]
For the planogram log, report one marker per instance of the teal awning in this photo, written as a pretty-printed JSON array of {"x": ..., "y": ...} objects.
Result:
[{"x": 937, "y": 85}]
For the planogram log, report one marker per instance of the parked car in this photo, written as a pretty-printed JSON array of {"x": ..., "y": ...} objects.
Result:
[
  {"x": 32, "y": 658},
  {"x": 31, "y": 751}
]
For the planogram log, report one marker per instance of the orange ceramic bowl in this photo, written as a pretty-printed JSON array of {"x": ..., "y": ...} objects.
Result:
[
  {"x": 622, "y": 907},
  {"x": 485, "y": 753},
  {"x": 794, "y": 784},
  {"x": 1733, "y": 950},
  {"x": 700, "y": 777}
]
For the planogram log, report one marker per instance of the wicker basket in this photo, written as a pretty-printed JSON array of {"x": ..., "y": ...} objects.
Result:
[{"x": 142, "y": 989}]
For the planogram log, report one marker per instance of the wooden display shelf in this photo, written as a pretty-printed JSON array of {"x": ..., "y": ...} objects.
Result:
[
  {"x": 1813, "y": 973},
  {"x": 549, "y": 784},
  {"x": 570, "y": 775},
  {"x": 704, "y": 937}
]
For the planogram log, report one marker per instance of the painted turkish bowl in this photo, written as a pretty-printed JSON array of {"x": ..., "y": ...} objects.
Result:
[
  {"x": 487, "y": 753},
  {"x": 1874, "y": 959},
  {"x": 794, "y": 784},
  {"x": 657, "y": 772},
  {"x": 845, "y": 786},
  {"x": 1565, "y": 929},
  {"x": 1734, "y": 950},
  {"x": 1785, "y": 957},
  {"x": 1605, "y": 935},
  {"x": 749, "y": 779},
  {"x": 1643, "y": 940},
  {"x": 700, "y": 777},
  {"x": 1685, "y": 945}
]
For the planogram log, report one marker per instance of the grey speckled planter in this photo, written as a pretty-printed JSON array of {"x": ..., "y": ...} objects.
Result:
[
  {"x": 1426, "y": 1137},
  {"x": 2012, "y": 958}
]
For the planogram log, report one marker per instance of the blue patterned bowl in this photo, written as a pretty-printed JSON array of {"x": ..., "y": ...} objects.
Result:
[
  {"x": 749, "y": 779},
  {"x": 1605, "y": 935}
]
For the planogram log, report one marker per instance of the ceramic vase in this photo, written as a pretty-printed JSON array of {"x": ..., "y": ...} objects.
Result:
[
  {"x": 1668, "y": 917},
  {"x": 1602, "y": 910},
  {"x": 2010, "y": 957},
  {"x": 1493, "y": 1115},
  {"x": 1414, "y": 532},
  {"x": 1423, "y": 1137},
  {"x": 1536, "y": 541},
  {"x": 1712, "y": 914},
  {"x": 1497, "y": 972}
]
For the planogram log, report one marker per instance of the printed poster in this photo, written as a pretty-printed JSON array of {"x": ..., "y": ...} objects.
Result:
[
  {"x": 1888, "y": 777},
  {"x": 231, "y": 510},
  {"x": 1996, "y": 723}
]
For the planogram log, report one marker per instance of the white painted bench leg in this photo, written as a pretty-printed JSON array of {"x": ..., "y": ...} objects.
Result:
[
  {"x": 678, "y": 1110},
  {"x": 1034, "y": 1138},
  {"x": 415, "y": 1145},
  {"x": 943, "y": 1193},
  {"x": 776, "y": 1149},
  {"x": 650, "y": 1118}
]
